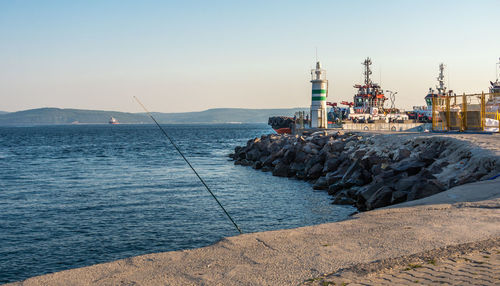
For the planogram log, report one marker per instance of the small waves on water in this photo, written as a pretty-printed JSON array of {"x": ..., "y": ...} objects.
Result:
[{"x": 73, "y": 196}]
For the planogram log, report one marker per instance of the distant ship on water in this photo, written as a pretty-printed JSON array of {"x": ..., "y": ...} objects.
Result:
[{"x": 113, "y": 120}]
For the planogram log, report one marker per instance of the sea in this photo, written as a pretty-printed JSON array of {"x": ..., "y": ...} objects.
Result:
[{"x": 77, "y": 195}]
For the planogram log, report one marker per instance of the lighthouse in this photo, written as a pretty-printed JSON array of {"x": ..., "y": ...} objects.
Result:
[{"x": 319, "y": 94}]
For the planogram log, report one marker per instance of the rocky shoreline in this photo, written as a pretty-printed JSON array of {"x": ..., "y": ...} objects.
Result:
[{"x": 370, "y": 170}]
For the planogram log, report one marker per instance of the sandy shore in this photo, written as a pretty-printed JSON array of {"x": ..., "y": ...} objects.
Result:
[{"x": 462, "y": 218}]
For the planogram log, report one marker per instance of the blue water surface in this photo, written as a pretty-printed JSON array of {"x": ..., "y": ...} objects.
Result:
[{"x": 73, "y": 196}]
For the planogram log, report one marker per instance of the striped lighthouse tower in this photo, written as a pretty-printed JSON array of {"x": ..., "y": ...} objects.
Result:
[{"x": 319, "y": 94}]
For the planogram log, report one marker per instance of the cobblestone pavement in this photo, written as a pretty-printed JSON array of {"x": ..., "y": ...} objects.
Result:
[{"x": 476, "y": 268}]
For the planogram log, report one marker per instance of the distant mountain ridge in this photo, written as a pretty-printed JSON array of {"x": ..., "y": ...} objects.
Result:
[
  {"x": 48, "y": 116},
  {"x": 3, "y": 112}
]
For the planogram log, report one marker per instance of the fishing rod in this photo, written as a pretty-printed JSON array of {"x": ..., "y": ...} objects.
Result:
[{"x": 189, "y": 164}]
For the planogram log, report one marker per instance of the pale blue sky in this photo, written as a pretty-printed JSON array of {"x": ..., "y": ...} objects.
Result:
[{"x": 194, "y": 55}]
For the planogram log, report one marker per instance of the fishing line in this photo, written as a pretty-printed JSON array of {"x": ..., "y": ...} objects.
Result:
[{"x": 189, "y": 164}]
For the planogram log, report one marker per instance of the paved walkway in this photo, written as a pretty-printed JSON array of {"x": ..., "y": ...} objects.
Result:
[
  {"x": 479, "y": 267},
  {"x": 291, "y": 257}
]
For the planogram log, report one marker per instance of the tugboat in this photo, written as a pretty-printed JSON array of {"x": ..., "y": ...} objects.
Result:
[
  {"x": 368, "y": 105},
  {"x": 424, "y": 113},
  {"x": 113, "y": 120},
  {"x": 492, "y": 123},
  {"x": 494, "y": 98},
  {"x": 370, "y": 97}
]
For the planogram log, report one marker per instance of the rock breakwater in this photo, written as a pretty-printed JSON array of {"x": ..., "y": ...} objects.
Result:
[{"x": 370, "y": 170}]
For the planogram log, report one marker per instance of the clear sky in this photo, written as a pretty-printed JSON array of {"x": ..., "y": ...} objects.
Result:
[{"x": 193, "y": 55}]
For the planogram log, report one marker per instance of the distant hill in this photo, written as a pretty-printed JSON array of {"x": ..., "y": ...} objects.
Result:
[
  {"x": 47, "y": 116},
  {"x": 66, "y": 116},
  {"x": 3, "y": 112},
  {"x": 225, "y": 115}
]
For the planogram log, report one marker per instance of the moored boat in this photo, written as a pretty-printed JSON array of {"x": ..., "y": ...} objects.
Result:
[
  {"x": 281, "y": 124},
  {"x": 368, "y": 105},
  {"x": 424, "y": 113},
  {"x": 494, "y": 98}
]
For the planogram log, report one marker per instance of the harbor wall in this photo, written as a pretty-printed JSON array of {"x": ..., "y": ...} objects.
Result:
[{"x": 396, "y": 127}]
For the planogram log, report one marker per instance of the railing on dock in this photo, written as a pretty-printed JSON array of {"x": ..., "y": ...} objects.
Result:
[{"x": 467, "y": 112}]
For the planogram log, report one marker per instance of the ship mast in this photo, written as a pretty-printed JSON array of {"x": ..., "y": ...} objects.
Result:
[
  {"x": 497, "y": 66},
  {"x": 368, "y": 71},
  {"x": 441, "y": 88}
]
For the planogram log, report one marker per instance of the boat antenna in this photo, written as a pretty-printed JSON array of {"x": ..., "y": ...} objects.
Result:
[
  {"x": 189, "y": 164},
  {"x": 448, "y": 77},
  {"x": 367, "y": 71},
  {"x": 380, "y": 74},
  {"x": 496, "y": 66}
]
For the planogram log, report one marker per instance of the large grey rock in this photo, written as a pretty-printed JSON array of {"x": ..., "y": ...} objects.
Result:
[
  {"x": 289, "y": 156},
  {"x": 399, "y": 197},
  {"x": 428, "y": 156},
  {"x": 381, "y": 198},
  {"x": 315, "y": 171},
  {"x": 300, "y": 156},
  {"x": 321, "y": 140},
  {"x": 343, "y": 199},
  {"x": 241, "y": 155},
  {"x": 358, "y": 154},
  {"x": 287, "y": 147},
  {"x": 432, "y": 151},
  {"x": 355, "y": 178},
  {"x": 257, "y": 165},
  {"x": 263, "y": 158},
  {"x": 301, "y": 175},
  {"x": 425, "y": 174},
  {"x": 337, "y": 146},
  {"x": 332, "y": 147},
  {"x": 344, "y": 157},
  {"x": 406, "y": 183},
  {"x": 268, "y": 161},
  {"x": 435, "y": 169},
  {"x": 425, "y": 189},
  {"x": 297, "y": 166},
  {"x": 274, "y": 147},
  {"x": 408, "y": 165},
  {"x": 331, "y": 164},
  {"x": 264, "y": 145},
  {"x": 366, "y": 192},
  {"x": 352, "y": 168},
  {"x": 245, "y": 162},
  {"x": 252, "y": 142},
  {"x": 320, "y": 184},
  {"x": 282, "y": 170},
  {"x": 370, "y": 160},
  {"x": 313, "y": 161},
  {"x": 333, "y": 177},
  {"x": 376, "y": 169},
  {"x": 311, "y": 148},
  {"x": 352, "y": 192},
  {"x": 238, "y": 149},
  {"x": 401, "y": 154},
  {"x": 335, "y": 188},
  {"x": 266, "y": 169}
]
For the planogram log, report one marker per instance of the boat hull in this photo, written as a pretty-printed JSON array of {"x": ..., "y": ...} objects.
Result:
[{"x": 283, "y": 130}]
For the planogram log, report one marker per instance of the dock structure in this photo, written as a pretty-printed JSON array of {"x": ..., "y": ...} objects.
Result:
[{"x": 444, "y": 111}]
